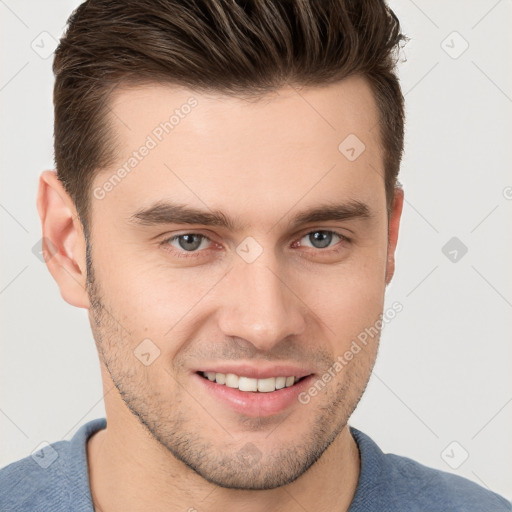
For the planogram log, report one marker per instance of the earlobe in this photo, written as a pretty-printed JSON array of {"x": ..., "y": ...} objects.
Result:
[
  {"x": 63, "y": 239},
  {"x": 393, "y": 228}
]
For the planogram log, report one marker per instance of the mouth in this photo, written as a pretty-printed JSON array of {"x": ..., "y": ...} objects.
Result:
[
  {"x": 262, "y": 393},
  {"x": 252, "y": 385}
]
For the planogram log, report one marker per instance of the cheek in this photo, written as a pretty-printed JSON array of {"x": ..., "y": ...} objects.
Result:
[
  {"x": 349, "y": 299},
  {"x": 351, "y": 309},
  {"x": 358, "y": 278},
  {"x": 152, "y": 299}
]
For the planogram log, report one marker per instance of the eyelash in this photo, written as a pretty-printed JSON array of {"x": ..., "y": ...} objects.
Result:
[{"x": 197, "y": 253}]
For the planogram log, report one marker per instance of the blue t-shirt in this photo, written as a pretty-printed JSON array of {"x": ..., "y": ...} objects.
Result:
[{"x": 56, "y": 479}]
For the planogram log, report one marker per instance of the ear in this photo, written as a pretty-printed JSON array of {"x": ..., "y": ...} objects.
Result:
[
  {"x": 63, "y": 241},
  {"x": 393, "y": 226}
]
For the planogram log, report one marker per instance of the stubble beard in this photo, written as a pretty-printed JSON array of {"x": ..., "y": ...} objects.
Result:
[{"x": 225, "y": 465}]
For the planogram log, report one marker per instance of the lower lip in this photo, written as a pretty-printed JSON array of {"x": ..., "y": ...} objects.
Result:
[{"x": 256, "y": 403}]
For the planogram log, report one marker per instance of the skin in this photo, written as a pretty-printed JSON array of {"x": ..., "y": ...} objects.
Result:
[{"x": 169, "y": 444}]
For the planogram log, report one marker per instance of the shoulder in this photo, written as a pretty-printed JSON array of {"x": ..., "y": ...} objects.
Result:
[
  {"x": 31, "y": 482},
  {"x": 400, "y": 483},
  {"x": 440, "y": 490},
  {"x": 52, "y": 478}
]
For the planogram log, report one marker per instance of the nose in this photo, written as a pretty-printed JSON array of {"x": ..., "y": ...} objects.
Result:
[{"x": 259, "y": 304}]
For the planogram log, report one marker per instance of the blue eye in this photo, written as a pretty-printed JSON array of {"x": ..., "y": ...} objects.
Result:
[
  {"x": 322, "y": 238},
  {"x": 189, "y": 245},
  {"x": 188, "y": 242}
]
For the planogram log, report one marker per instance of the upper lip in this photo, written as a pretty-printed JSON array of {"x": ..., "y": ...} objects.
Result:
[{"x": 257, "y": 372}]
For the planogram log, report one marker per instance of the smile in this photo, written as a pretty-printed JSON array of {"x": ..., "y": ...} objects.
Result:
[{"x": 249, "y": 384}]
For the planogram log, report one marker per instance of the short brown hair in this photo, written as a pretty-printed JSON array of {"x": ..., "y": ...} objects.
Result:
[{"x": 234, "y": 47}]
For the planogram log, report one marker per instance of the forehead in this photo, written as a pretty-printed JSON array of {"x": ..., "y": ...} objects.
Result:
[{"x": 287, "y": 147}]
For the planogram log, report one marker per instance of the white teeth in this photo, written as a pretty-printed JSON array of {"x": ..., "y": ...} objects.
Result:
[
  {"x": 232, "y": 380},
  {"x": 249, "y": 384},
  {"x": 280, "y": 382},
  {"x": 266, "y": 385}
]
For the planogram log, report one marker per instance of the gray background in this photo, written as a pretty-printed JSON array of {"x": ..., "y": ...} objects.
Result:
[{"x": 441, "y": 389}]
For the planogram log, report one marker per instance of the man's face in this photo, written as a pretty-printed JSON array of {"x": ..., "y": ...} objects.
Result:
[{"x": 263, "y": 294}]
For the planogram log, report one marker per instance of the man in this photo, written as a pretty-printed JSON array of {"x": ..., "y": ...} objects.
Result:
[{"x": 226, "y": 206}]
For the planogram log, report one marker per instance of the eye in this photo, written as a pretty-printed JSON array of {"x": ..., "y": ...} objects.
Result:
[
  {"x": 187, "y": 245},
  {"x": 321, "y": 239},
  {"x": 187, "y": 242}
]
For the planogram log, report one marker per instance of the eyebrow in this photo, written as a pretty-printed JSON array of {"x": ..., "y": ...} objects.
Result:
[{"x": 176, "y": 213}]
